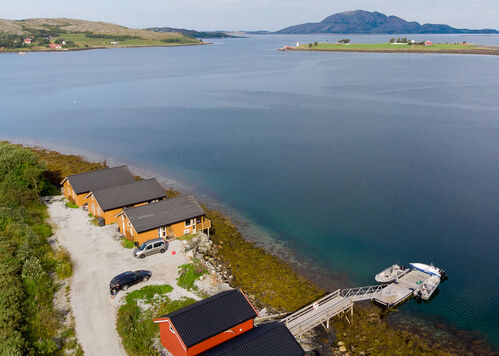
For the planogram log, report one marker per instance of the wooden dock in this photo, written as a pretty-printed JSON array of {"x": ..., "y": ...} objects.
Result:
[
  {"x": 324, "y": 309},
  {"x": 396, "y": 293}
]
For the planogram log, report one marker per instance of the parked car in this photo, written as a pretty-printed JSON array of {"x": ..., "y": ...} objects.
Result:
[
  {"x": 151, "y": 247},
  {"x": 124, "y": 280}
]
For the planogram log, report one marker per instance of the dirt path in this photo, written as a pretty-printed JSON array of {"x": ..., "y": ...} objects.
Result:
[{"x": 97, "y": 258}]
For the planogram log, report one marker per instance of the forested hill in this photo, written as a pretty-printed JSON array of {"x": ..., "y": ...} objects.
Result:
[
  {"x": 192, "y": 33},
  {"x": 42, "y": 34},
  {"x": 361, "y": 21}
]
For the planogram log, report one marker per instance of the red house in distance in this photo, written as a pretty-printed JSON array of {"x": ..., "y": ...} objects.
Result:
[{"x": 207, "y": 323}]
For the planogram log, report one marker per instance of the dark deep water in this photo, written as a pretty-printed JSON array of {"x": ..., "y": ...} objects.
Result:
[{"x": 354, "y": 160}]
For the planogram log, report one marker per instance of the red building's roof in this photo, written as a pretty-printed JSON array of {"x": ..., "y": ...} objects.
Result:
[{"x": 211, "y": 316}]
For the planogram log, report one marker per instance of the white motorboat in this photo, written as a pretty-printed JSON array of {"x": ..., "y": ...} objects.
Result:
[
  {"x": 427, "y": 287},
  {"x": 391, "y": 274},
  {"x": 430, "y": 269}
]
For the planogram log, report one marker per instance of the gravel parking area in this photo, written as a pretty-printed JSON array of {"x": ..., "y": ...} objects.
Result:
[{"x": 97, "y": 257}]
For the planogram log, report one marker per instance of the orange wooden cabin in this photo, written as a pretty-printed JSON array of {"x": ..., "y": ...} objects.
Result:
[
  {"x": 207, "y": 323},
  {"x": 109, "y": 203},
  {"x": 167, "y": 218},
  {"x": 76, "y": 187}
]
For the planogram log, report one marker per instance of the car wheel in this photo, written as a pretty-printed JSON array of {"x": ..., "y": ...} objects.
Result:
[
  {"x": 125, "y": 287},
  {"x": 145, "y": 279},
  {"x": 142, "y": 256},
  {"x": 162, "y": 250}
]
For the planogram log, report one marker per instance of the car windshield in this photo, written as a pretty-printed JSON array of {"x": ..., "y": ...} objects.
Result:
[{"x": 143, "y": 246}]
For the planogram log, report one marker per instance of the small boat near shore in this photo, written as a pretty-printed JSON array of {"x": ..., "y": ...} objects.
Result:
[
  {"x": 391, "y": 274},
  {"x": 21, "y": 53},
  {"x": 427, "y": 287},
  {"x": 430, "y": 269}
]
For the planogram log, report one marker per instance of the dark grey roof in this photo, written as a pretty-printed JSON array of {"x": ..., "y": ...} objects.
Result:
[
  {"x": 211, "y": 316},
  {"x": 164, "y": 212},
  {"x": 269, "y": 339},
  {"x": 101, "y": 179},
  {"x": 128, "y": 194}
]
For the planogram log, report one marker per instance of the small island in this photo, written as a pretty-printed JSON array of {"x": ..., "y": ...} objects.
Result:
[
  {"x": 69, "y": 34},
  {"x": 399, "y": 45}
]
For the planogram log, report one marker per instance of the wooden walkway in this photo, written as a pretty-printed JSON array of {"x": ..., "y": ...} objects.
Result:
[{"x": 324, "y": 309}]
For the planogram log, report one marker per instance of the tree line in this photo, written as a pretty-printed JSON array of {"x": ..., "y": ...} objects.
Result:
[{"x": 28, "y": 321}]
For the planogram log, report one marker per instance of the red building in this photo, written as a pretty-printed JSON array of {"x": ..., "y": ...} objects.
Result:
[
  {"x": 428, "y": 43},
  {"x": 27, "y": 40},
  {"x": 206, "y": 324}
]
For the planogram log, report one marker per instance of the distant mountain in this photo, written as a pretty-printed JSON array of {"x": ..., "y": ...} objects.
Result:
[
  {"x": 361, "y": 21},
  {"x": 192, "y": 33}
]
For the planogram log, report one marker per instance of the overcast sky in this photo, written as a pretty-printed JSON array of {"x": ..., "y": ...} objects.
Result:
[{"x": 251, "y": 14}]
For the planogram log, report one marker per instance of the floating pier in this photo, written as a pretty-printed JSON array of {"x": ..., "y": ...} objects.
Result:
[
  {"x": 398, "y": 292},
  {"x": 342, "y": 300}
]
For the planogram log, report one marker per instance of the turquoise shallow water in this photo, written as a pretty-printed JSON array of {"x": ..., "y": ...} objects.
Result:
[{"x": 355, "y": 161}]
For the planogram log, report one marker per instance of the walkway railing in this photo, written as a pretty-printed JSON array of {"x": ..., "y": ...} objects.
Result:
[
  {"x": 362, "y": 293},
  {"x": 322, "y": 310}
]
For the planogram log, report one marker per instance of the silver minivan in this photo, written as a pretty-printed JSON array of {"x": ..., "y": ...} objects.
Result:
[{"x": 151, "y": 247}]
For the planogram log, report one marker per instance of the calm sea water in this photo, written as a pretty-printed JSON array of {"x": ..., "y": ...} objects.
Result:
[{"x": 355, "y": 161}]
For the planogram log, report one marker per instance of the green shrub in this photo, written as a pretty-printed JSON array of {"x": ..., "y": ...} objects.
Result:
[
  {"x": 72, "y": 205},
  {"x": 189, "y": 273},
  {"x": 136, "y": 329},
  {"x": 64, "y": 266},
  {"x": 170, "y": 306},
  {"x": 43, "y": 230},
  {"x": 126, "y": 243}
]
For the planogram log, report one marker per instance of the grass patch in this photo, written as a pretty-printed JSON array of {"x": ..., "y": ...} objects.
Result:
[
  {"x": 148, "y": 293},
  {"x": 187, "y": 237},
  {"x": 127, "y": 243},
  {"x": 71, "y": 205},
  {"x": 189, "y": 273},
  {"x": 388, "y": 47},
  {"x": 135, "y": 326}
]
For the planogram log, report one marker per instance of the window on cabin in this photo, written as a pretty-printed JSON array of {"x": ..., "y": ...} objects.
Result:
[
  {"x": 188, "y": 222},
  {"x": 198, "y": 220},
  {"x": 162, "y": 231}
]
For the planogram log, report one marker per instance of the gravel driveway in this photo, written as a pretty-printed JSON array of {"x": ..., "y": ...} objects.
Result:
[{"x": 97, "y": 258}]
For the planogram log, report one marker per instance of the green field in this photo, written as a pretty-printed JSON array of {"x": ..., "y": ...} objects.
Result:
[
  {"x": 388, "y": 47},
  {"x": 81, "y": 40}
]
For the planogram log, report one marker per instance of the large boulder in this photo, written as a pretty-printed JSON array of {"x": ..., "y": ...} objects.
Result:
[{"x": 192, "y": 243}]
